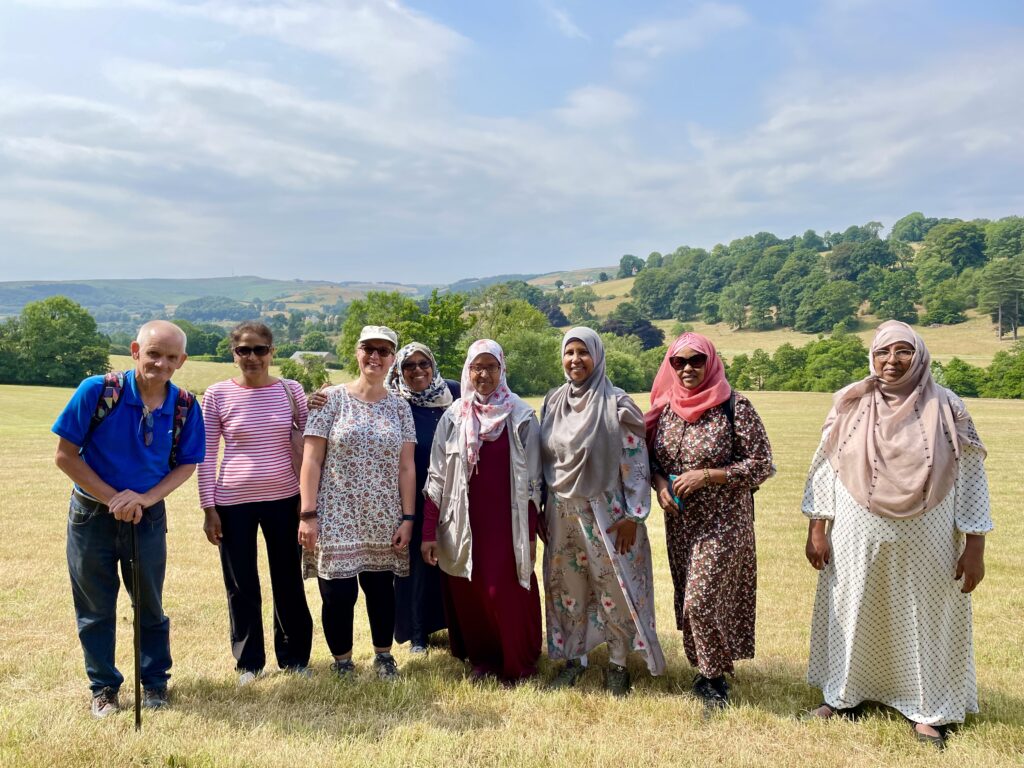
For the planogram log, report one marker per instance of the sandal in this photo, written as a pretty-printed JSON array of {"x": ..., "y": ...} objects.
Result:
[
  {"x": 939, "y": 742},
  {"x": 850, "y": 713}
]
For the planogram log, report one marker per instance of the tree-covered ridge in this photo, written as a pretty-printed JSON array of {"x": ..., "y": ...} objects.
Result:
[{"x": 815, "y": 283}]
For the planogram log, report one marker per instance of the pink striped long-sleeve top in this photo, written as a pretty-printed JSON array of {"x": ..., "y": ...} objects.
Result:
[{"x": 255, "y": 423}]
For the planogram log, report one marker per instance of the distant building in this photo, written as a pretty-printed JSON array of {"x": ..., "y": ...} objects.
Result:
[{"x": 327, "y": 357}]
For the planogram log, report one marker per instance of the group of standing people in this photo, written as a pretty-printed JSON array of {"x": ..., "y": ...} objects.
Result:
[{"x": 430, "y": 496}]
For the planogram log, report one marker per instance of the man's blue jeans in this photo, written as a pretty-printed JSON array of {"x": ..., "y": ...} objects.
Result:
[{"x": 97, "y": 543}]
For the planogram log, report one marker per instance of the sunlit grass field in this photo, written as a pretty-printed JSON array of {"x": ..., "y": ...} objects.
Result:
[
  {"x": 434, "y": 716},
  {"x": 197, "y": 375}
]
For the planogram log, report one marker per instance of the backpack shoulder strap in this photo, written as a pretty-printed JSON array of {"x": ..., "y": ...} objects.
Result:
[
  {"x": 110, "y": 396},
  {"x": 729, "y": 406},
  {"x": 182, "y": 405}
]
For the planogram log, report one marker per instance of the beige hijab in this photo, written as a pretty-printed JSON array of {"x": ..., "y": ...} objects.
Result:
[
  {"x": 895, "y": 446},
  {"x": 581, "y": 442}
]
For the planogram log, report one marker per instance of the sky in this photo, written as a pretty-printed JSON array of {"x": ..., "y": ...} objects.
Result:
[{"x": 421, "y": 141}]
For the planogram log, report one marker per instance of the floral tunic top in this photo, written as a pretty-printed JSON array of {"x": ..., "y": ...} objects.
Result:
[{"x": 358, "y": 499}]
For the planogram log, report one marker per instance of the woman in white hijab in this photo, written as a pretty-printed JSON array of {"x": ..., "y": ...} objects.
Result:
[
  {"x": 480, "y": 520},
  {"x": 598, "y": 580},
  {"x": 898, "y": 504}
]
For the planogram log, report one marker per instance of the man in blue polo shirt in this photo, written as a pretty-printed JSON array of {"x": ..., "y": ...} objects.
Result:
[{"x": 122, "y": 473}]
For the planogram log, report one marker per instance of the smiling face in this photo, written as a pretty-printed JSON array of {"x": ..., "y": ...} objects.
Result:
[
  {"x": 577, "y": 362},
  {"x": 893, "y": 362},
  {"x": 417, "y": 372},
  {"x": 692, "y": 366},
  {"x": 158, "y": 353},
  {"x": 254, "y": 367},
  {"x": 485, "y": 374},
  {"x": 374, "y": 357}
]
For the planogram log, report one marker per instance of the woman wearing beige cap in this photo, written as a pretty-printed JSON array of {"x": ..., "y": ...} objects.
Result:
[{"x": 358, "y": 488}]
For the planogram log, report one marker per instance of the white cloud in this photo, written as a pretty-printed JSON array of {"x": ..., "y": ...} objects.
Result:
[
  {"x": 686, "y": 33},
  {"x": 565, "y": 23},
  {"x": 594, "y": 106}
]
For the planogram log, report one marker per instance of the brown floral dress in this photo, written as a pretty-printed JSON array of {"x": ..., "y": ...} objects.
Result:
[{"x": 711, "y": 541}]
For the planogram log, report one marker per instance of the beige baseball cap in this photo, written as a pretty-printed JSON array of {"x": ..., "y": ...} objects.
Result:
[{"x": 378, "y": 332}]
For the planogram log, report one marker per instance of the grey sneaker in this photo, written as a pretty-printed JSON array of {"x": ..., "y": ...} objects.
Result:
[
  {"x": 300, "y": 670},
  {"x": 343, "y": 669},
  {"x": 104, "y": 703},
  {"x": 155, "y": 698},
  {"x": 248, "y": 677},
  {"x": 416, "y": 649},
  {"x": 387, "y": 668},
  {"x": 569, "y": 674},
  {"x": 616, "y": 680}
]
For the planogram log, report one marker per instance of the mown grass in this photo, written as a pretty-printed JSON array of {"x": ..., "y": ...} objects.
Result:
[{"x": 434, "y": 716}]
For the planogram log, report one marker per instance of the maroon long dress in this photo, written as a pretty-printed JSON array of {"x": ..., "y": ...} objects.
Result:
[{"x": 494, "y": 622}]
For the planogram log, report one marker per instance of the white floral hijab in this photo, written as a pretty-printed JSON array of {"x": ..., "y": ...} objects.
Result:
[{"x": 479, "y": 419}]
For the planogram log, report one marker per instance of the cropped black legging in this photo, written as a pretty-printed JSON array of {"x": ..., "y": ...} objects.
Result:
[{"x": 339, "y": 602}]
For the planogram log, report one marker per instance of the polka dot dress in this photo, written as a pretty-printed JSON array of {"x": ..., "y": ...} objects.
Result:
[{"x": 890, "y": 624}]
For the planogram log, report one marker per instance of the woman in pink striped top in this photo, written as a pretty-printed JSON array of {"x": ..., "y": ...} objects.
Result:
[{"x": 256, "y": 487}]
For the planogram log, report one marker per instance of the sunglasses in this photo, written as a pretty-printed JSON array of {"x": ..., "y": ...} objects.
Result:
[
  {"x": 146, "y": 422},
  {"x": 259, "y": 350},
  {"x": 696, "y": 361},
  {"x": 423, "y": 365},
  {"x": 379, "y": 351}
]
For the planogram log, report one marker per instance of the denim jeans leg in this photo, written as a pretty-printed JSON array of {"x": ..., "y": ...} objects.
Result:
[
  {"x": 92, "y": 565},
  {"x": 155, "y": 626}
]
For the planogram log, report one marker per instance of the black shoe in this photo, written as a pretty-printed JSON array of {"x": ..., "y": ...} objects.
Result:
[
  {"x": 569, "y": 674},
  {"x": 345, "y": 670},
  {"x": 713, "y": 692},
  {"x": 386, "y": 666},
  {"x": 155, "y": 698},
  {"x": 939, "y": 742},
  {"x": 616, "y": 680},
  {"x": 104, "y": 703}
]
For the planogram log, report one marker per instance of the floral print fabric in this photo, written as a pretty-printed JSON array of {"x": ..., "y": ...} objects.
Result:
[
  {"x": 358, "y": 500},
  {"x": 593, "y": 594},
  {"x": 711, "y": 541}
]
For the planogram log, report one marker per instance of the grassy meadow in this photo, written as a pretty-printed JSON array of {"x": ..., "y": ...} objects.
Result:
[{"x": 434, "y": 716}]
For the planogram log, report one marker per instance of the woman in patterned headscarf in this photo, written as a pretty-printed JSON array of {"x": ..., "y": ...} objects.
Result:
[
  {"x": 709, "y": 450},
  {"x": 480, "y": 519},
  {"x": 898, "y": 504},
  {"x": 414, "y": 376},
  {"x": 598, "y": 581}
]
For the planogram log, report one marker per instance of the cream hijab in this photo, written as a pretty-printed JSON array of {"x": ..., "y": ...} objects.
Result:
[
  {"x": 581, "y": 442},
  {"x": 895, "y": 446}
]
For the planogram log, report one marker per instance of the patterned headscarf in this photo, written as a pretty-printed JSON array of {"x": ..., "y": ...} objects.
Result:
[
  {"x": 687, "y": 404},
  {"x": 437, "y": 395},
  {"x": 581, "y": 437},
  {"x": 481, "y": 419},
  {"x": 894, "y": 446}
]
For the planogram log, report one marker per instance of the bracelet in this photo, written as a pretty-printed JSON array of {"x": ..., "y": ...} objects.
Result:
[
  {"x": 310, "y": 515},
  {"x": 707, "y": 477},
  {"x": 408, "y": 518}
]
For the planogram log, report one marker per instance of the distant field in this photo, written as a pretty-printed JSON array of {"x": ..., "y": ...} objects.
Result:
[
  {"x": 197, "y": 375},
  {"x": 434, "y": 716}
]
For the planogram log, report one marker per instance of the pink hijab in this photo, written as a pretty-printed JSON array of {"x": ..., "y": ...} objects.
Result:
[
  {"x": 482, "y": 420},
  {"x": 895, "y": 446},
  {"x": 687, "y": 404}
]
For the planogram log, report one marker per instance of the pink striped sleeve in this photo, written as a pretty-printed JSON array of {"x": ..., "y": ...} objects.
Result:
[{"x": 208, "y": 469}]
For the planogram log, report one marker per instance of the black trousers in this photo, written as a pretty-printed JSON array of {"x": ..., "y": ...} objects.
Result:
[
  {"x": 293, "y": 625},
  {"x": 339, "y": 602}
]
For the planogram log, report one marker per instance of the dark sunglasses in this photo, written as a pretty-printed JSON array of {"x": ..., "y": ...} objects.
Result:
[
  {"x": 147, "y": 422},
  {"x": 696, "y": 361},
  {"x": 259, "y": 351},
  {"x": 379, "y": 351},
  {"x": 423, "y": 365}
]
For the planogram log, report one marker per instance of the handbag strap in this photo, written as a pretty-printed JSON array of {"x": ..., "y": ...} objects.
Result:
[{"x": 291, "y": 401}]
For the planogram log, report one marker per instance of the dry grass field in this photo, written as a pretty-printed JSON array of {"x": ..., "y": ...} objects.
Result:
[{"x": 434, "y": 716}]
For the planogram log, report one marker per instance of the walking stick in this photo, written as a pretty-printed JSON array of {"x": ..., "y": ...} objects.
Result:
[{"x": 137, "y": 626}]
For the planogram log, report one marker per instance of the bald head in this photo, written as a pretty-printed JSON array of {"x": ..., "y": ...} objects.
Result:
[{"x": 167, "y": 332}]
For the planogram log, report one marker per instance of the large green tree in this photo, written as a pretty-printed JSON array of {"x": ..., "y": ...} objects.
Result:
[{"x": 57, "y": 344}]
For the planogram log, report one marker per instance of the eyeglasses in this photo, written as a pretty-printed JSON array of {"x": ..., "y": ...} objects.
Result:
[
  {"x": 259, "y": 350},
  {"x": 147, "y": 422},
  {"x": 696, "y": 361},
  {"x": 490, "y": 370},
  {"x": 381, "y": 352},
  {"x": 903, "y": 355},
  {"x": 423, "y": 365}
]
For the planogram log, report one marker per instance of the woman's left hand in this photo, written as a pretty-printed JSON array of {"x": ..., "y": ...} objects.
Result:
[
  {"x": 625, "y": 535},
  {"x": 400, "y": 541},
  {"x": 971, "y": 565},
  {"x": 688, "y": 482}
]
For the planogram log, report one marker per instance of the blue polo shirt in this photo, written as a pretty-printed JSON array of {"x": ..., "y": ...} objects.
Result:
[{"x": 117, "y": 450}]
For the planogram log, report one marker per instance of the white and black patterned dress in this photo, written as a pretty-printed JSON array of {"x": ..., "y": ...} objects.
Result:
[
  {"x": 890, "y": 624},
  {"x": 358, "y": 499}
]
